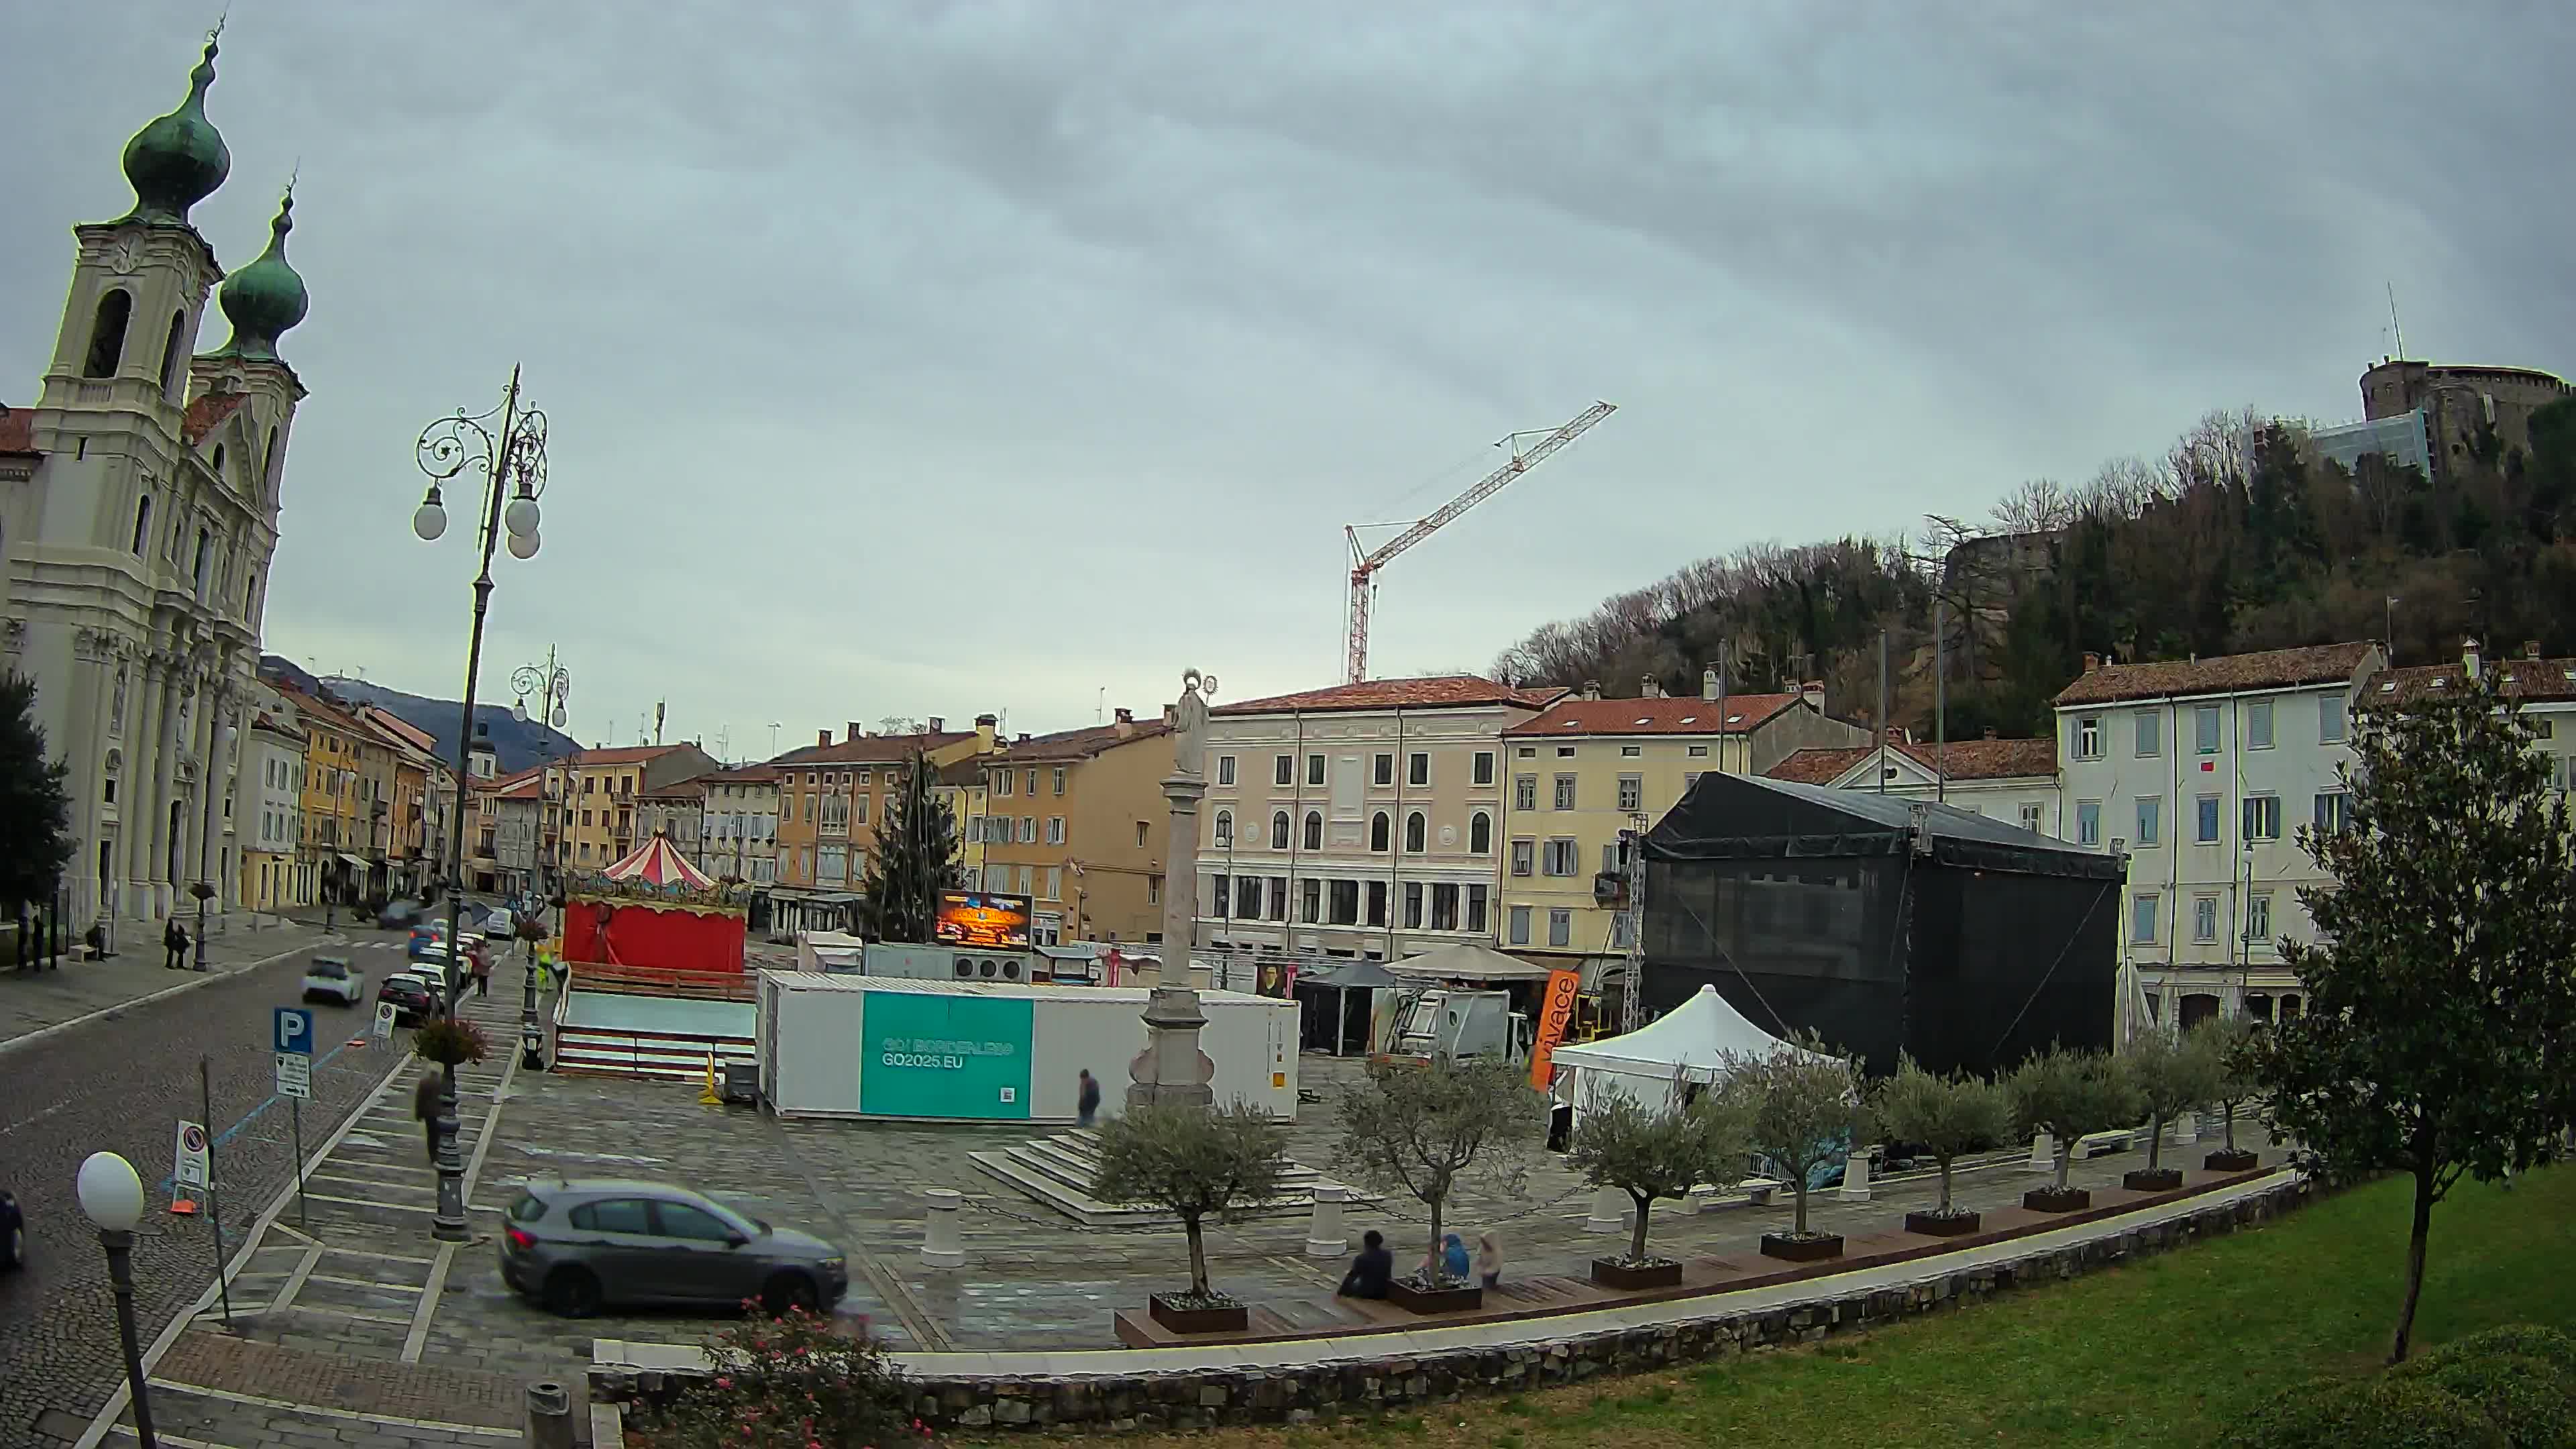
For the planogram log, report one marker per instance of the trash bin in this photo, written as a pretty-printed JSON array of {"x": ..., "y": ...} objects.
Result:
[{"x": 741, "y": 1083}]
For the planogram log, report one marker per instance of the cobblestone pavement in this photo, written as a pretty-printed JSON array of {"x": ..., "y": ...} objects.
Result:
[{"x": 121, "y": 1082}]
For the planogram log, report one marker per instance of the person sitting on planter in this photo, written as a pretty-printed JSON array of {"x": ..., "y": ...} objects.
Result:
[
  {"x": 1489, "y": 1261},
  {"x": 1452, "y": 1265},
  {"x": 1371, "y": 1270}
]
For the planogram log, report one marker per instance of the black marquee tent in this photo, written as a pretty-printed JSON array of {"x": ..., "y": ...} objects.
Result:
[{"x": 1882, "y": 924}]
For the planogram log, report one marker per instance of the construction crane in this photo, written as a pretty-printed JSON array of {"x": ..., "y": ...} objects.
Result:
[{"x": 1366, "y": 562}]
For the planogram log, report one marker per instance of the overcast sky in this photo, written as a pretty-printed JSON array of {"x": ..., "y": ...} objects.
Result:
[{"x": 918, "y": 359}]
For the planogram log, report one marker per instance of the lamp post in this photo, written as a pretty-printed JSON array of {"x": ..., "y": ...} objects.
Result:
[
  {"x": 514, "y": 456},
  {"x": 552, "y": 685},
  {"x": 204, "y": 889},
  {"x": 111, "y": 1196}
]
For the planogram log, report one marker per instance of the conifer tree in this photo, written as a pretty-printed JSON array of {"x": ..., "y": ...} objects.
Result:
[
  {"x": 35, "y": 808},
  {"x": 916, "y": 858}
]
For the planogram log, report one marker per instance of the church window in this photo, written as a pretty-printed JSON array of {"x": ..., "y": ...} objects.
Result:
[
  {"x": 107, "y": 333},
  {"x": 219, "y": 461},
  {"x": 268, "y": 460},
  {"x": 205, "y": 549},
  {"x": 142, "y": 523},
  {"x": 170, "y": 353}
]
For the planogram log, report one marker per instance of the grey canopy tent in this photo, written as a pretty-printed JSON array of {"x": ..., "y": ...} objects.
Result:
[{"x": 1335, "y": 1006}]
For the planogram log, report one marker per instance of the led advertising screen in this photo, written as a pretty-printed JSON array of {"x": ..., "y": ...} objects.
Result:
[{"x": 982, "y": 920}]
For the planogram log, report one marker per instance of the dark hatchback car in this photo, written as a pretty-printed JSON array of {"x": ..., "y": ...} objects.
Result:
[
  {"x": 398, "y": 914},
  {"x": 575, "y": 1246},
  {"x": 413, "y": 998}
]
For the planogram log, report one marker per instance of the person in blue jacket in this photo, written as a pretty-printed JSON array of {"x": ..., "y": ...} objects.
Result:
[{"x": 1453, "y": 1258}]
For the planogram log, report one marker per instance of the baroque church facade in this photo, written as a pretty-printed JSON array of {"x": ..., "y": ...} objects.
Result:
[{"x": 138, "y": 516}]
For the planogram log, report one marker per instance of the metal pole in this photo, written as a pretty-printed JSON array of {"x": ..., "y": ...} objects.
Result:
[
  {"x": 295, "y": 1107},
  {"x": 1940, "y": 704},
  {"x": 120, "y": 1280},
  {"x": 1882, "y": 711},
  {"x": 214, "y": 1188}
]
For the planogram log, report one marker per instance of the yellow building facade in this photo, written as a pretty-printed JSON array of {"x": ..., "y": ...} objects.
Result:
[{"x": 1077, "y": 821}]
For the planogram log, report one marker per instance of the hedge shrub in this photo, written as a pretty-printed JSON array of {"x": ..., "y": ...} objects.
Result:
[{"x": 2508, "y": 1388}]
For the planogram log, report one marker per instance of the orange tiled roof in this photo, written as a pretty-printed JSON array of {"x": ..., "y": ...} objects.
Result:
[
  {"x": 871, "y": 749},
  {"x": 17, "y": 430},
  {"x": 1083, "y": 743},
  {"x": 1446, "y": 691},
  {"x": 743, "y": 775},
  {"x": 622, "y": 754},
  {"x": 1667, "y": 716},
  {"x": 1965, "y": 760},
  {"x": 2225, "y": 674},
  {"x": 2523, "y": 679},
  {"x": 208, "y": 412}
]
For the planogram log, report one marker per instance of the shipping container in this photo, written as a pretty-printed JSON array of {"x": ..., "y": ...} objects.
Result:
[{"x": 952, "y": 1051}]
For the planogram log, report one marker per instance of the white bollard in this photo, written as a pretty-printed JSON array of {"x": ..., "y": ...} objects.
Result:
[
  {"x": 2186, "y": 1130},
  {"x": 1325, "y": 1237},
  {"x": 1855, "y": 1186},
  {"x": 940, "y": 1245},
  {"x": 1609, "y": 1211},
  {"x": 2043, "y": 1154},
  {"x": 549, "y": 1424}
]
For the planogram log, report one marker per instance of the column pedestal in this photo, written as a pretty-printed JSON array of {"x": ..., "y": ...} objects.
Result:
[
  {"x": 941, "y": 1247},
  {"x": 1325, "y": 1236}
]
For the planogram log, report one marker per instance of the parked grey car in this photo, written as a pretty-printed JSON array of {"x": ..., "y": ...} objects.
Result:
[{"x": 577, "y": 1245}]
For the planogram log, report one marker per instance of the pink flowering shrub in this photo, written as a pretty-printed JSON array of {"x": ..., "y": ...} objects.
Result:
[{"x": 785, "y": 1383}]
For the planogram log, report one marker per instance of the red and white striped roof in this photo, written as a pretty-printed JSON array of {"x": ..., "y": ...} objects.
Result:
[{"x": 655, "y": 863}]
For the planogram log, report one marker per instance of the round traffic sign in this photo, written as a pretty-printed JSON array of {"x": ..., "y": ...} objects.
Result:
[{"x": 195, "y": 1137}]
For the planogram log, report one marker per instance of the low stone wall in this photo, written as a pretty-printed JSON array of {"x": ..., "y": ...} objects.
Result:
[{"x": 1303, "y": 1394}]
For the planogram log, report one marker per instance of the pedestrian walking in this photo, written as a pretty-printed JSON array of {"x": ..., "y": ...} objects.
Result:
[
  {"x": 481, "y": 957},
  {"x": 1489, "y": 1261},
  {"x": 174, "y": 940},
  {"x": 424, "y": 1105},
  {"x": 1371, "y": 1270},
  {"x": 1087, "y": 1105}
]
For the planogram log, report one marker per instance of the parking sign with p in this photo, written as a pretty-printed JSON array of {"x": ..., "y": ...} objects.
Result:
[{"x": 293, "y": 1032}]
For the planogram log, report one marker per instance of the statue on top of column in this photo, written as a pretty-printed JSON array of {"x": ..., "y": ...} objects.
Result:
[{"x": 1189, "y": 724}]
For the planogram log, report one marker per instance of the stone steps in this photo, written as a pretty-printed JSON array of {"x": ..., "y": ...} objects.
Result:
[{"x": 1058, "y": 1172}]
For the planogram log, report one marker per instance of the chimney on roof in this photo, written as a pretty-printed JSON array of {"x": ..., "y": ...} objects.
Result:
[
  {"x": 1813, "y": 689},
  {"x": 1650, "y": 688},
  {"x": 938, "y": 725},
  {"x": 1023, "y": 739},
  {"x": 823, "y": 737},
  {"x": 1171, "y": 714},
  {"x": 1592, "y": 689},
  {"x": 1708, "y": 684},
  {"x": 1990, "y": 732},
  {"x": 2092, "y": 661},
  {"x": 856, "y": 732},
  {"x": 2469, "y": 658},
  {"x": 2530, "y": 648}
]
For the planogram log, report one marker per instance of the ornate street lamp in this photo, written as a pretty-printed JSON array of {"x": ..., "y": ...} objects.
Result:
[
  {"x": 508, "y": 446},
  {"x": 111, "y": 1196}
]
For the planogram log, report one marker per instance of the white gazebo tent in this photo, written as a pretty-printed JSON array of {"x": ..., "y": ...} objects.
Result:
[{"x": 1657, "y": 1064}]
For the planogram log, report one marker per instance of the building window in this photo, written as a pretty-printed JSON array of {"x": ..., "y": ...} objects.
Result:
[
  {"x": 2088, "y": 822},
  {"x": 2258, "y": 920},
  {"x": 1565, "y": 792},
  {"x": 1247, "y": 894},
  {"x": 2151, "y": 731},
  {"x": 1632, "y": 793},
  {"x": 1520, "y": 925},
  {"x": 1413, "y": 905},
  {"x": 1225, "y": 829},
  {"x": 1031, "y": 781},
  {"x": 2330, "y": 721},
  {"x": 1698, "y": 752},
  {"x": 1565, "y": 752},
  {"x": 1028, "y": 830},
  {"x": 1524, "y": 855},
  {"x": 2334, "y": 811},
  {"x": 2204, "y": 729},
  {"x": 2204, "y": 918},
  {"x": 1314, "y": 830},
  {"x": 2088, "y": 737},
  {"x": 2258, "y": 725},
  {"x": 1055, "y": 830},
  {"x": 1417, "y": 769},
  {"x": 1284, "y": 770},
  {"x": 1141, "y": 834},
  {"x": 142, "y": 523},
  {"x": 1382, "y": 769},
  {"x": 2151, "y": 819},
  {"x": 1444, "y": 906},
  {"x": 1525, "y": 792},
  {"x": 1415, "y": 829},
  {"x": 1225, "y": 769},
  {"x": 2031, "y": 818},
  {"x": 1055, "y": 883},
  {"x": 1153, "y": 890},
  {"x": 1560, "y": 859},
  {"x": 1379, "y": 832},
  {"x": 1279, "y": 830},
  {"x": 1484, "y": 774},
  {"x": 2142, "y": 920},
  {"x": 1314, "y": 769},
  {"x": 1480, "y": 834},
  {"x": 2207, "y": 821},
  {"x": 1376, "y": 903},
  {"x": 1002, "y": 782},
  {"x": 2262, "y": 817},
  {"x": 107, "y": 333},
  {"x": 1560, "y": 928},
  {"x": 1025, "y": 882},
  {"x": 1310, "y": 903},
  {"x": 1476, "y": 894}
]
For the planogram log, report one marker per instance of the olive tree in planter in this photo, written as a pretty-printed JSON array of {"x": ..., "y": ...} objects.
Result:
[
  {"x": 2173, "y": 1075},
  {"x": 1194, "y": 1163},
  {"x": 2069, "y": 1095},
  {"x": 1802, "y": 1106},
  {"x": 1946, "y": 1117},
  {"x": 2232, "y": 1045},
  {"x": 1421, "y": 1131},
  {"x": 1651, "y": 1155}
]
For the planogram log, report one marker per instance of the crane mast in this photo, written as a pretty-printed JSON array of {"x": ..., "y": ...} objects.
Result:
[{"x": 1366, "y": 563}]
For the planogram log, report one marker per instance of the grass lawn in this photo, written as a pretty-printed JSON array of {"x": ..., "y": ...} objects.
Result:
[{"x": 2158, "y": 1352}]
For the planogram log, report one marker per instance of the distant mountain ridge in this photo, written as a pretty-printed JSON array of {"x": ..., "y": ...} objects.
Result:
[{"x": 515, "y": 745}]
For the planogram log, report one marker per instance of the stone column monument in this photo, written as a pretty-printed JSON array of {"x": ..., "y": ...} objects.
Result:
[{"x": 1171, "y": 1068}]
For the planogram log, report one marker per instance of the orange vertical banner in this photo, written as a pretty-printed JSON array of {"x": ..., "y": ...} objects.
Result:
[{"x": 1553, "y": 1018}]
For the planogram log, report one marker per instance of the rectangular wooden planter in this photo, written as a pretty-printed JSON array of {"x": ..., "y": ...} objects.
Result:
[
  {"x": 1802, "y": 1250},
  {"x": 1434, "y": 1300},
  {"x": 1611, "y": 1273},
  {"x": 2161, "y": 1179},
  {"x": 2223, "y": 1160},
  {"x": 1231, "y": 1318},
  {"x": 2055, "y": 1200},
  {"x": 1938, "y": 1225}
]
